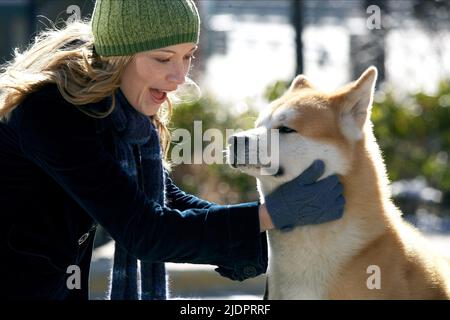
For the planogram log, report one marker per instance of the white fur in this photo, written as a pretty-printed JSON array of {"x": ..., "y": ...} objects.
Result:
[
  {"x": 350, "y": 128},
  {"x": 296, "y": 153},
  {"x": 303, "y": 260},
  {"x": 302, "y": 271},
  {"x": 301, "y": 267}
]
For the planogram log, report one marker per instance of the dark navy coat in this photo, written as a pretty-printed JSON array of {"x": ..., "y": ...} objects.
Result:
[{"x": 59, "y": 179}]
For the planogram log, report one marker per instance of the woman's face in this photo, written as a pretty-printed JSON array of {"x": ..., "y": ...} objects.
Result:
[{"x": 150, "y": 75}]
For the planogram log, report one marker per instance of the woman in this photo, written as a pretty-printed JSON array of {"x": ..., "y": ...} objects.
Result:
[{"x": 84, "y": 113}]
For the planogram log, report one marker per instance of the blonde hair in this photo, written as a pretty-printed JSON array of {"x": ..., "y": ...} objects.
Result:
[{"x": 67, "y": 58}]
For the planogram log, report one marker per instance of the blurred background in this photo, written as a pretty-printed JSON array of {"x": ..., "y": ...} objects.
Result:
[{"x": 251, "y": 50}]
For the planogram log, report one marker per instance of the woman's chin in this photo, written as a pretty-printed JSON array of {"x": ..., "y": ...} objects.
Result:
[{"x": 150, "y": 109}]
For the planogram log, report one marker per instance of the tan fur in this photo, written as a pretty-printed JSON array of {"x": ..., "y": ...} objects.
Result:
[
  {"x": 330, "y": 261},
  {"x": 409, "y": 270}
]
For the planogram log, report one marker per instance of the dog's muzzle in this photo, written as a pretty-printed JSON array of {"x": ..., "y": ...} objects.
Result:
[
  {"x": 239, "y": 150},
  {"x": 244, "y": 151}
]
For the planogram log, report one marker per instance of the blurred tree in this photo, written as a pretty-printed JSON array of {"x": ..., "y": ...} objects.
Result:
[
  {"x": 369, "y": 48},
  {"x": 414, "y": 135},
  {"x": 198, "y": 65},
  {"x": 297, "y": 22},
  {"x": 434, "y": 16}
]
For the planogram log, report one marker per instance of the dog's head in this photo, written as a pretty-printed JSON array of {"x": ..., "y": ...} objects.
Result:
[{"x": 308, "y": 124}]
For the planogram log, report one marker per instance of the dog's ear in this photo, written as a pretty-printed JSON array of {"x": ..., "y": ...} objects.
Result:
[
  {"x": 300, "y": 82},
  {"x": 355, "y": 103}
]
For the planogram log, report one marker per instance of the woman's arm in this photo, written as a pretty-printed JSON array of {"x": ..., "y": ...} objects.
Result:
[
  {"x": 62, "y": 141},
  {"x": 178, "y": 199},
  {"x": 181, "y": 200}
]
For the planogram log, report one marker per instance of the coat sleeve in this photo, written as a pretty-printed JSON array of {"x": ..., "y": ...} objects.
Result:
[
  {"x": 178, "y": 199},
  {"x": 63, "y": 142},
  {"x": 235, "y": 269}
]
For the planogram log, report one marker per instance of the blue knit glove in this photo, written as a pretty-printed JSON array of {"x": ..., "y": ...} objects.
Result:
[{"x": 303, "y": 201}]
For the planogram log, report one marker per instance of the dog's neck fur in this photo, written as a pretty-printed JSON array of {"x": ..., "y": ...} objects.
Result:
[
  {"x": 367, "y": 183},
  {"x": 318, "y": 251}
]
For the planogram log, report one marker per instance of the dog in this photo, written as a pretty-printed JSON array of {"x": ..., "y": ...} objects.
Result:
[{"x": 370, "y": 253}]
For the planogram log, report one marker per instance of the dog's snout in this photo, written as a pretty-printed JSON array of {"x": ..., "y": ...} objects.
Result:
[
  {"x": 233, "y": 151},
  {"x": 245, "y": 141},
  {"x": 238, "y": 149},
  {"x": 234, "y": 140}
]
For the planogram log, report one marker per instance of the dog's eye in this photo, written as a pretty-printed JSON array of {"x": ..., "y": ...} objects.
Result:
[{"x": 283, "y": 129}]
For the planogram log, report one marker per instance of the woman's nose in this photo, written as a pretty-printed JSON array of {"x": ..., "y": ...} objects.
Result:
[{"x": 177, "y": 75}]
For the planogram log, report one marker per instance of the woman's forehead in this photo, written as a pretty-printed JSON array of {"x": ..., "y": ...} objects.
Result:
[{"x": 178, "y": 48}]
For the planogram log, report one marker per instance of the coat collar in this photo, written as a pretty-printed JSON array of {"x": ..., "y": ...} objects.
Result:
[{"x": 129, "y": 123}]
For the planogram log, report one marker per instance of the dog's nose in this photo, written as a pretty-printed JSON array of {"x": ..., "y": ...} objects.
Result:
[
  {"x": 233, "y": 151},
  {"x": 238, "y": 145},
  {"x": 234, "y": 140},
  {"x": 242, "y": 141}
]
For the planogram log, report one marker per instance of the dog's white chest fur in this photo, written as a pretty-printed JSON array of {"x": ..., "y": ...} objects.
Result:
[{"x": 303, "y": 261}]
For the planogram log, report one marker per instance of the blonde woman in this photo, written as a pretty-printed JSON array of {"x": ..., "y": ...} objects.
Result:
[{"x": 82, "y": 139}]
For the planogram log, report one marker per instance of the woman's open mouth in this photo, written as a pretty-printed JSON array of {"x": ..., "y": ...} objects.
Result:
[{"x": 158, "y": 96}]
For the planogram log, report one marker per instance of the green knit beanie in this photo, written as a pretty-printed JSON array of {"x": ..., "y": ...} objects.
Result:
[{"x": 125, "y": 27}]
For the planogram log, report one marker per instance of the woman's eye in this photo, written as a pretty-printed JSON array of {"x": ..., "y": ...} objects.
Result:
[
  {"x": 168, "y": 59},
  {"x": 283, "y": 129},
  {"x": 162, "y": 60}
]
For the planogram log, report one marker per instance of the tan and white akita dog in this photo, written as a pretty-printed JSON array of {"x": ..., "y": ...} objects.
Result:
[{"x": 370, "y": 253}]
